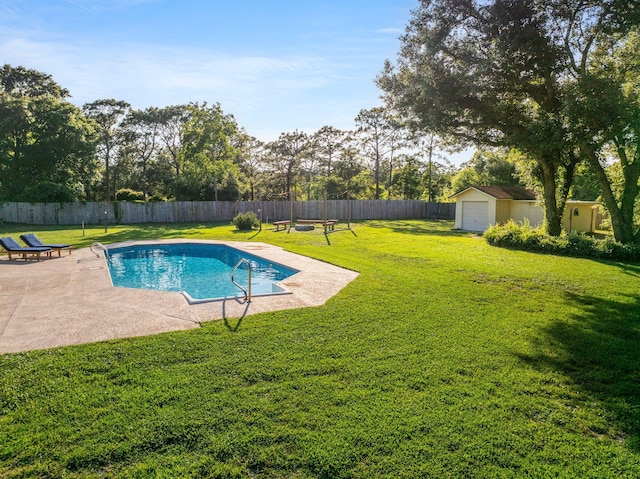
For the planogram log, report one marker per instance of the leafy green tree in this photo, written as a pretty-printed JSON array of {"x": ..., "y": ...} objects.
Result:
[
  {"x": 438, "y": 181},
  {"x": 487, "y": 73},
  {"x": 207, "y": 152},
  {"x": 585, "y": 184},
  {"x": 328, "y": 142},
  {"x": 285, "y": 158},
  {"x": 47, "y": 192},
  {"x": 141, "y": 142},
  {"x": 407, "y": 178},
  {"x": 351, "y": 177},
  {"x": 380, "y": 135},
  {"x": 606, "y": 98},
  {"x": 530, "y": 75},
  {"x": 486, "y": 167},
  {"x": 250, "y": 158},
  {"x": 171, "y": 131},
  {"x": 427, "y": 145},
  {"x": 108, "y": 114},
  {"x": 209, "y": 149},
  {"x": 20, "y": 82},
  {"x": 46, "y": 144}
]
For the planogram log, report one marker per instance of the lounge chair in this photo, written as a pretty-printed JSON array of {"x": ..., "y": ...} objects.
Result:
[
  {"x": 13, "y": 248},
  {"x": 32, "y": 241}
]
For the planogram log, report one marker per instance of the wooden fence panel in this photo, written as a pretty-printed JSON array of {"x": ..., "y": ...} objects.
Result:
[{"x": 211, "y": 211}]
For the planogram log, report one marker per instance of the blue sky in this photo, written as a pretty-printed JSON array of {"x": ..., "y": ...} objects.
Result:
[{"x": 277, "y": 66}]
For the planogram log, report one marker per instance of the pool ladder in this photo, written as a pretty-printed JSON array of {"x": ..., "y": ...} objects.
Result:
[
  {"x": 247, "y": 291},
  {"x": 99, "y": 246}
]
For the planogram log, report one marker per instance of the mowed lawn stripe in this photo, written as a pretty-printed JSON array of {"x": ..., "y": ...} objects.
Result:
[{"x": 445, "y": 358}]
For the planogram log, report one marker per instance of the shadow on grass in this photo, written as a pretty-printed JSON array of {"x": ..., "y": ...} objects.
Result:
[
  {"x": 228, "y": 322},
  {"x": 599, "y": 349},
  {"x": 630, "y": 269},
  {"x": 419, "y": 227},
  {"x": 146, "y": 231}
]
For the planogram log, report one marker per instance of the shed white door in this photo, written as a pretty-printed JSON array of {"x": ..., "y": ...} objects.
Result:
[{"x": 475, "y": 215}]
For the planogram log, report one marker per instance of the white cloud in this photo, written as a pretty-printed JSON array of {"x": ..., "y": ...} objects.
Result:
[
  {"x": 87, "y": 71},
  {"x": 148, "y": 75},
  {"x": 391, "y": 31},
  {"x": 323, "y": 83},
  {"x": 101, "y": 5}
]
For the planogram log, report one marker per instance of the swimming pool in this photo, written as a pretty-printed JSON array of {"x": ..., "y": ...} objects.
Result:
[{"x": 202, "y": 272}]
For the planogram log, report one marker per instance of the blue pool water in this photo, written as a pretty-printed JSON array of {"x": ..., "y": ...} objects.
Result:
[{"x": 201, "y": 271}]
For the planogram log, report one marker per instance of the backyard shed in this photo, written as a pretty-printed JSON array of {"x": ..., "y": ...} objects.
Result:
[{"x": 478, "y": 207}]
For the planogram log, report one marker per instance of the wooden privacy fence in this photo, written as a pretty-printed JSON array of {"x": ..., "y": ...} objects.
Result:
[{"x": 206, "y": 211}]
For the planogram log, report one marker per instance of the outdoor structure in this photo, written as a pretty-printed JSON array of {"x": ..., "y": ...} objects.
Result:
[
  {"x": 478, "y": 207},
  {"x": 127, "y": 212}
]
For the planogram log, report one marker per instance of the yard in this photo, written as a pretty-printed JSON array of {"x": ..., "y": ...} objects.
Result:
[{"x": 445, "y": 358}]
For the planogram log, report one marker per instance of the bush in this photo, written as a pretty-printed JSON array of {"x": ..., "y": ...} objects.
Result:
[
  {"x": 157, "y": 198},
  {"x": 126, "y": 194},
  {"x": 575, "y": 243},
  {"x": 246, "y": 221},
  {"x": 513, "y": 235},
  {"x": 47, "y": 192}
]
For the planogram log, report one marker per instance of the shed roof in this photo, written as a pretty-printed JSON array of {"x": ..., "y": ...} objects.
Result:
[{"x": 503, "y": 192}]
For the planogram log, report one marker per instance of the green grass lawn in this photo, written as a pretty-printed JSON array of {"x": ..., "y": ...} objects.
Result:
[{"x": 445, "y": 358}]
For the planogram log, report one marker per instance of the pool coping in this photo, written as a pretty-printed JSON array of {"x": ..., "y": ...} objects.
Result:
[
  {"x": 70, "y": 300},
  {"x": 240, "y": 294}
]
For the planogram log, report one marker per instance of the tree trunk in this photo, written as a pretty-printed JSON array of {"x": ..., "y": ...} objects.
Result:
[
  {"x": 289, "y": 183},
  {"x": 390, "y": 179},
  {"x": 552, "y": 214},
  {"x": 377, "y": 175},
  {"x": 621, "y": 213},
  {"x": 107, "y": 178}
]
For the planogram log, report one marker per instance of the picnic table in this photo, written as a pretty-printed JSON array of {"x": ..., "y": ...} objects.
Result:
[
  {"x": 330, "y": 223},
  {"x": 283, "y": 223}
]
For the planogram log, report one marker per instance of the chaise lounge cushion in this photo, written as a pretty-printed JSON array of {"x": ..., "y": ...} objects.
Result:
[
  {"x": 33, "y": 241},
  {"x": 11, "y": 246}
]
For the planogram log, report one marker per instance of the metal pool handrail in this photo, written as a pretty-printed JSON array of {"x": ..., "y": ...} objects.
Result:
[
  {"x": 247, "y": 293},
  {"x": 99, "y": 246}
]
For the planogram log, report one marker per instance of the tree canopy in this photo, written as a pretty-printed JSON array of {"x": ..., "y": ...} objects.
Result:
[
  {"x": 548, "y": 90},
  {"x": 506, "y": 73},
  {"x": 46, "y": 143}
]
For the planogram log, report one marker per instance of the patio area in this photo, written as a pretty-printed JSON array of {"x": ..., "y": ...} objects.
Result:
[{"x": 70, "y": 300}]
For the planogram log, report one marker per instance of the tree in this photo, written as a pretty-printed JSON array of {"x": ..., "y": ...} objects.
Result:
[
  {"x": 208, "y": 150},
  {"x": 46, "y": 144},
  {"x": 486, "y": 167},
  {"x": 309, "y": 169},
  {"x": 427, "y": 145},
  {"x": 108, "y": 115},
  {"x": 492, "y": 74},
  {"x": 438, "y": 181},
  {"x": 286, "y": 156},
  {"x": 328, "y": 142},
  {"x": 349, "y": 176},
  {"x": 407, "y": 178},
  {"x": 606, "y": 97},
  {"x": 141, "y": 138},
  {"x": 20, "y": 82},
  {"x": 585, "y": 185},
  {"x": 380, "y": 136},
  {"x": 251, "y": 157},
  {"x": 172, "y": 120}
]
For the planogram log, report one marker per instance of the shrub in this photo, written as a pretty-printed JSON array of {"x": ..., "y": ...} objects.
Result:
[
  {"x": 126, "y": 194},
  {"x": 575, "y": 243},
  {"x": 246, "y": 221},
  {"x": 157, "y": 198},
  {"x": 513, "y": 235},
  {"x": 47, "y": 192}
]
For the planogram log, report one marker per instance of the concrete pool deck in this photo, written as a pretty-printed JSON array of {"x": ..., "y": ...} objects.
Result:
[{"x": 70, "y": 299}]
